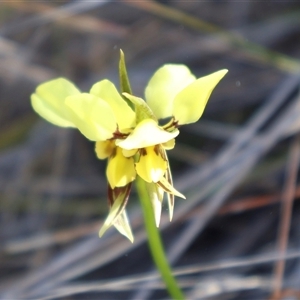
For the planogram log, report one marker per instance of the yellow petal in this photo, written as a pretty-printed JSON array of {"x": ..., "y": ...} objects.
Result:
[
  {"x": 48, "y": 101},
  {"x": 169, "y": 144},
  {"x": 164, "y": 85},
  {"x": 147, "y": 133},
  {"x": 189, "y": 104},
  {"x": 169, "y": 180},
  {"x": 151, "y": 166},
  {"x": 92, "y": 116},
  {"x": 170, "y": 196},
  {"x": 120, "y": 169},
  {"x": 104, "y": 149},
  {"x": 107, "y": 91}
]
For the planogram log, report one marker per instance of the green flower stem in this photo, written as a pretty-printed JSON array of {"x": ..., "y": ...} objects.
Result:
[{"x": 155, "y": 243}]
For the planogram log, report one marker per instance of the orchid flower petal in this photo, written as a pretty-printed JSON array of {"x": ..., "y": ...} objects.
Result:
[
  {"x": 151, "y": 166},
  {"x": 189, "y": 104},
  {"x": 120, "y": 169},
  {"x": 129, "y": 153},
  {"x": 104, "y": 149},
  {"x": 107, "y": 91},
  {"x": 92, "y": 116},
  {"x": 123, "y": 226},
  {"x": 164, "y": 85},
  {"x": 146, "y": 133},
  {"x": 48, "y": 101},
  {"x": 118, "y": 204}
]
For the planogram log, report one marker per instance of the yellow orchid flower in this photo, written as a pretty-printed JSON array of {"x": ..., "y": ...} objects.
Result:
[{"x": 126, "y": 129}]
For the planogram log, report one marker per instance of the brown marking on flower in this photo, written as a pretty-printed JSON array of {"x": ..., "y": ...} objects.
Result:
[
  {"x": 113, "y": 194},
  {"x": 113, "y": 153},
  {"x": 172, "y": 125},
  {"x": 143, "y": 151},
  {"x": 119, "y": 135},
  {"x": 157, "y": 150}
]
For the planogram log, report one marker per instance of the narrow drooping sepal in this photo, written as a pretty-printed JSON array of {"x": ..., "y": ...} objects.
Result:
[
  {"x": 170, "y": 196},
  {"x": 122, "y": 223},
  {"x": 156, "y": 194},
  {"x": 118, "y": 198},
  {"x": 168, "y": 188},
  {"x": 123, "y": 226}
]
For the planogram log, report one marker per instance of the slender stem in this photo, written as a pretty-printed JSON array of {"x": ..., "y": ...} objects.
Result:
[{"x": 155, "y": 243}]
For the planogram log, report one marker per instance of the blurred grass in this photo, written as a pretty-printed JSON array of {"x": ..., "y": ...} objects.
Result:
[
  {"x": 265, "y": 55},
  {"x": 17, "y": 131}
]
